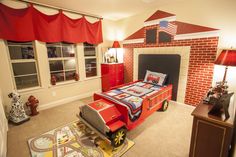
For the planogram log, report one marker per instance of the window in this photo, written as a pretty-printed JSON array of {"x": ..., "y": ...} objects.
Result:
[
  {"x": 164, "y": 37},
  {"x": 90, "y": 56},
  {"x": 62, "y": 61},
  {"x": 24, "y": 64},
  {"x": 151, "y": 35}
]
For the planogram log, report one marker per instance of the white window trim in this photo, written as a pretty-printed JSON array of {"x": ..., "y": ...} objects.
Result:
[
  {"x": 92, "y": 77},
  {"x": 22, "y": 60},
  {"x": 35, "y": 60},
  {"x": 91, "y": 57},
  {"x": 65, "y": 82},
  {"x": 26, "y": 90},
  {"x": 21, "y": 45}
]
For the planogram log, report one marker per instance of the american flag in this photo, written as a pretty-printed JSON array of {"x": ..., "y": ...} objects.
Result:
[{"x": 168, "y": 27}]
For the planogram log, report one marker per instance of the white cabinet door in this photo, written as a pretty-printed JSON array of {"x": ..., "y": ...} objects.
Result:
[{"x": 3, "y": 130}]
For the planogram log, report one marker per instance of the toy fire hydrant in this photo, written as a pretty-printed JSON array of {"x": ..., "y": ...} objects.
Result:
[{"x": 33, "y": 104}]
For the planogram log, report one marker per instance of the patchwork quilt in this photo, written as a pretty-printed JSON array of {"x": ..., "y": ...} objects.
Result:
[{"x": 132, "y": 96}]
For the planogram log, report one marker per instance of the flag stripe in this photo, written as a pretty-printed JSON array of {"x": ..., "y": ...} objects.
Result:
[{"x": 171, "y": 29}]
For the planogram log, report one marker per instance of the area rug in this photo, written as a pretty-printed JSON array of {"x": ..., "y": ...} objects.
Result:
[{"x": 74, "y": 140}]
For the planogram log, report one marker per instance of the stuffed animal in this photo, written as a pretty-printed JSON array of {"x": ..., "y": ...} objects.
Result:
[{"x": 17, "y": 113}]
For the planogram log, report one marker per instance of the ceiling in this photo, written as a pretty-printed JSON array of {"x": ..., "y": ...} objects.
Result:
[{"x": 108, "y": 9}]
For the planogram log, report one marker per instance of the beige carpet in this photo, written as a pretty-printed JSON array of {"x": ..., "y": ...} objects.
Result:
[{"x": 163, "y": 134}]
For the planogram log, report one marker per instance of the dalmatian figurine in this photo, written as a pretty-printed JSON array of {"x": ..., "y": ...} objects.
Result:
[{"x": 17, "y": 113}]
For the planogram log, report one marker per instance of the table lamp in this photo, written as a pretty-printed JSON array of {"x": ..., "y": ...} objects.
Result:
[
  {"x": 220, "y": 97},
  {"x": 226, "y": 58},
  {"x": 116, "y": 45}
]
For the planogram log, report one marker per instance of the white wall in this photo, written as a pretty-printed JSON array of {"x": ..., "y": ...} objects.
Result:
[
  {"x": 3, "y": 130},
  {"x": 211, "y": 13},
  {"x": 48, "y": 95}
]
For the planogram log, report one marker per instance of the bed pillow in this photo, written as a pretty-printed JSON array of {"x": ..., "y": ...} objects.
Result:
[{"x": 155, "y": 78}]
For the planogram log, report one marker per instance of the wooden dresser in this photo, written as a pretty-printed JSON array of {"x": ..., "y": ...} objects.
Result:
[
  {"x": 211, "y": 135},
  {"x": 112, "y": 75}
]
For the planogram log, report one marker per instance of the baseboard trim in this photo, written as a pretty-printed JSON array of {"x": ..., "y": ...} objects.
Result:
[
  {"x": 182, "y": 104},
  {"x": 85, "y": 95},
  {"x": 65, "y": 100}
]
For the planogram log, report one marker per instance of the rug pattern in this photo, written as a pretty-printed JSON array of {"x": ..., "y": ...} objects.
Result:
[{"x": 74, "y": 140}]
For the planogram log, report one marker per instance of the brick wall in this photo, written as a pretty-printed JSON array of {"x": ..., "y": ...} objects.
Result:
[
  {"x": 200, "y": 73},
  {"x": 128, "y": 63}
]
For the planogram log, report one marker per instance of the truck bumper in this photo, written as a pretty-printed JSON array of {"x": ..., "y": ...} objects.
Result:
[{"x": 104, "y": 137}]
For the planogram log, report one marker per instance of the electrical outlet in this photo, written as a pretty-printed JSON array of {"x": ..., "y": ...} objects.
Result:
[{"x": 54, "y": 93}]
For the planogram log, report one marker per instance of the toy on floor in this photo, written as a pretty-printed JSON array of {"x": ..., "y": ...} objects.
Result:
[
  {"x": 32, "y": 103},
  {"x": 17, "y": 113}
]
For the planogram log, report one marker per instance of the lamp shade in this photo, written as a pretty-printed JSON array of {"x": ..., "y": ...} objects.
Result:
[
  {"x": 227, "y": 58},
  {"x": 116, "y": 44}
]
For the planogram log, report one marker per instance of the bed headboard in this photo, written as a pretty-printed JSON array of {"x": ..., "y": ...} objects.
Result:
[{"x": 164, "y": 63}]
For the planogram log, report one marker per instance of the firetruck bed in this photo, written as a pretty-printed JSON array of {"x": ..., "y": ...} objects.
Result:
[{"x": 137, "y": 99}]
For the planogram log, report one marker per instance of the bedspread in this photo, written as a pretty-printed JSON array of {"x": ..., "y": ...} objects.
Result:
[{"x": 132, "y": 96}]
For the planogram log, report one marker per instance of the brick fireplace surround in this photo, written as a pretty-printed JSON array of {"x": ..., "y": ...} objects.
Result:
[{"x": 200, "y": 72}]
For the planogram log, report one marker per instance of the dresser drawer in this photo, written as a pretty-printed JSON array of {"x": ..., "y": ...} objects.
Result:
[{"x": 112, "y": 75}]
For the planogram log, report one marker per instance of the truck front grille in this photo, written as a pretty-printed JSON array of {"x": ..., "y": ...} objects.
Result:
[{"x": 93, "y": 118}]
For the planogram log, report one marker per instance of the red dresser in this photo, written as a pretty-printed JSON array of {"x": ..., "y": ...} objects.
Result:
[{"x": 112, "y": 75}]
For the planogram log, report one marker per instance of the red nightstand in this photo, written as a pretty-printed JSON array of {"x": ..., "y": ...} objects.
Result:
[{"x": 112, "y": 75}]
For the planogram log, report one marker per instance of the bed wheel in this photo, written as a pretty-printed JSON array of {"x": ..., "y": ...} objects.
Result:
[
  {"x": 165, "y": 105},
  {"x": 118, "y": 137}
]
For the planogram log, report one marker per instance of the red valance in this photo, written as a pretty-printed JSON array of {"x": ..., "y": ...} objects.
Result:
[{"x": 30, "y": 24}]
